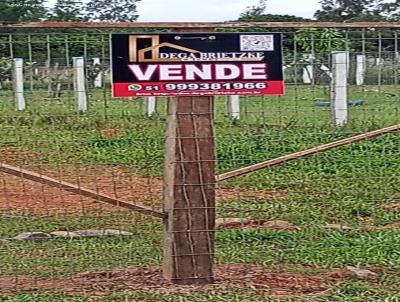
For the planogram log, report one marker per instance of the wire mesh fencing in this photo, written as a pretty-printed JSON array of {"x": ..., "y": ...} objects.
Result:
[
  {"x": 82, "y": 176},
  {"x": 371, "y": 64}
]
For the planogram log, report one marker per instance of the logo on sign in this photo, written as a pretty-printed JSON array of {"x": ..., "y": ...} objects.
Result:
[
  {"x": 135, "y": 87},
  {"x": 169, "y": 52},
  {"x": 141, "y": 55}
]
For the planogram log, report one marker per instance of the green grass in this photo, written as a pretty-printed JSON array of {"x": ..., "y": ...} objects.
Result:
[
  {"x": 348, "y": 292},
  {"x": 345, "y": 185},
  {"x": 312, "y": 246}
]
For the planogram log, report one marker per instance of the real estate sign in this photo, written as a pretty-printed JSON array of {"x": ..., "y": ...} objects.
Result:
[{"x": 195, "y": 64}]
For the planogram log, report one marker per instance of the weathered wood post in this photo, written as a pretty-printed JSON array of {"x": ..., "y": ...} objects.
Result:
[
  {"x": 340, "y": 62},
  {"x": 189, "y": 191},
  {"x": 18, "y": 81}
]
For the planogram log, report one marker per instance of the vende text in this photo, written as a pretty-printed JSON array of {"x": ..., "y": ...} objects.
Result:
[{"x": 188, "y": 72}]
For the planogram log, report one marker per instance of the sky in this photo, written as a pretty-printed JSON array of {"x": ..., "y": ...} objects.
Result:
[{"x": 215, "y": 10}]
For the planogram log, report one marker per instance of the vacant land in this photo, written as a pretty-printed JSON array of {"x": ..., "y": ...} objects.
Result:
[{"x": 344, "y": 204}]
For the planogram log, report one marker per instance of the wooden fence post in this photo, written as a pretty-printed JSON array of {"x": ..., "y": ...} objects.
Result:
[
  {"x": 189, "y": 191},
  {"x": 18, "y": 79},
  {"x": 79, "y": 84},
  {"x": 234, "y": 107},
  {"x": 340, "y": 62}
]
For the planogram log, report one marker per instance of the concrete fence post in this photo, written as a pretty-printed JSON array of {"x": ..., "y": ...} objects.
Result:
[
  {"x": 340, "y": 70},
  {"x": 234, "y": 107},
  {"x": 151, "y": 103},
  {"x": 360, "y": 69},
  {"x": 79, "y": 84},
  {"x": 308, "y": 70},
  {"x": 98, "y": 81},
  {"x": 18, "y": 80}
]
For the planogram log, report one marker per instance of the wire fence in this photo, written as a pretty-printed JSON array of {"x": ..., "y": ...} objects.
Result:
[
  {"x": 372, "y": 66},
  {"x": 77, "y": 179}
]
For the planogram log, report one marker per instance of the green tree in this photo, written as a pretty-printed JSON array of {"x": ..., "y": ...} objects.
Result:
[
  {"x": 4, "y": 6},
  {"x": 349, "y": 10},
  {"x": 391, "y": 10},
  {"x": 315, "y": 46},
  {"x": 273, "y": 18},
  {"x": 255, "y": 10},
  {"x": 112, "y": 11},
  {"x": 257, "y": 13},
  {"x": 5, "y": 70},
  {"x": 67, "y": 10},
  {"x": 321, "y": 41},
  {"x": 22, "y": 10}
]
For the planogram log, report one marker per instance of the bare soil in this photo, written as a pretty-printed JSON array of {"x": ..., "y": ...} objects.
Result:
[
  {"x": 20, "y": 195},
  {"x": 395, "y": 206},
  {"x": 140, "y": 279}
]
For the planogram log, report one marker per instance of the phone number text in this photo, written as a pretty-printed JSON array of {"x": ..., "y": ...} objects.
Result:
[{"x": 211, "y": 86}]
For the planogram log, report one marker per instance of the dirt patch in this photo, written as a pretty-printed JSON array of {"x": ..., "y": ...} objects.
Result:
[
  {"x": 388, "y": 226},
  {"x": 139, "y": 279},
  {"x": 15, "y": 154},
  {"x": 111, "y": 133},
  {"x": 19, "y": 195},
  {"x": 243, "y": 223},
  {"x": 395, "y": 206}
]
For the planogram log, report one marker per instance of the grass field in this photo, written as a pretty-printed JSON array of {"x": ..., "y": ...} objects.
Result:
[{"x": 357, "y": 186}]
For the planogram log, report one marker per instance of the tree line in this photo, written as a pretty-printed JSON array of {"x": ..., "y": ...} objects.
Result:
[
  {"x": 333, "y": 11},
  {"x": 13, "y": 11},
  {"x": 126, "y": 10}
]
